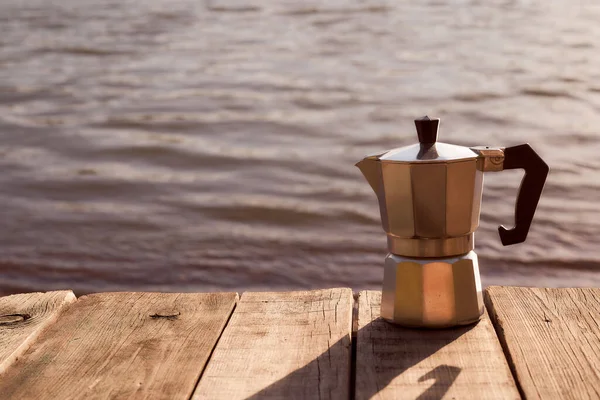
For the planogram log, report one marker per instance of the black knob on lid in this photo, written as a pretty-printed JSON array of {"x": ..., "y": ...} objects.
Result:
[{"x": 427, "y": 129}]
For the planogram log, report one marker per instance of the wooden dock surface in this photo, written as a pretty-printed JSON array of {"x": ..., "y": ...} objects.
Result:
[{"x": 321, "y": 344}]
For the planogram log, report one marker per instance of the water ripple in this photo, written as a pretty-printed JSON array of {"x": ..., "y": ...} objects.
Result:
[{"x": 194, "y": 146}]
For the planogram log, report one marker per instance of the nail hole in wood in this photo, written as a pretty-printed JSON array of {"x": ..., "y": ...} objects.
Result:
[{"x": 10, "y": 319}]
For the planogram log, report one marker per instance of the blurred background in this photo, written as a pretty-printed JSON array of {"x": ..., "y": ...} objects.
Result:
[{"x": 210, "y": 145}]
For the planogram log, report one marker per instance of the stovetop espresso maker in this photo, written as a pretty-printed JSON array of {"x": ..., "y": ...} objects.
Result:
[{"x": 429, "y": 197}]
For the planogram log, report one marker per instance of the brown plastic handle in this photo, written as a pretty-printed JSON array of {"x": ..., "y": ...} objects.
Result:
[{"x": 536, "y": 171}]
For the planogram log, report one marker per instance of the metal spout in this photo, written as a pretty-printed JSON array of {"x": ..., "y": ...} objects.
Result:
[{"x": 371, "y": 169}]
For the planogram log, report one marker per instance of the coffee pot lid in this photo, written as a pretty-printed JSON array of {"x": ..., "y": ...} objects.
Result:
[{"x": 428, "y": 149}]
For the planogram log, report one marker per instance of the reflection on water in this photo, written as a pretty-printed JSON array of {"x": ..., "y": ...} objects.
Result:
[{"x": 210, "y": 145}]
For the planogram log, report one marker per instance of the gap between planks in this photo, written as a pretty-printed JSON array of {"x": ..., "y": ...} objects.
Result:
[
  {"x": 23, "y": 317},
  {"x": 251, "y": 359},
  {"x": 461, "y": 362},
  {"x": 283, "y": 344},
  {"x": 122, "y": 345},
  {"x": 551, "y": 338},
  {"x": 562, "y": 307}
]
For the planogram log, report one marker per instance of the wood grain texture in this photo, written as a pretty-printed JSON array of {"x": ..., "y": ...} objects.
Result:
[
  {"x": 23, "y": 317},
  {"x": 283, "y": 345},
  {"x": 394, "y": 362},
  {"x": 552, "y": 339},
  {"x": 122, "y": 345}
]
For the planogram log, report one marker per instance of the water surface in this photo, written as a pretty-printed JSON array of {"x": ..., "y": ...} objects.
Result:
[{"x": 210, "y": 145}]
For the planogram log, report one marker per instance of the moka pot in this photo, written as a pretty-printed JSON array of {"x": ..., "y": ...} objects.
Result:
[{"x": 429, "y": 198}]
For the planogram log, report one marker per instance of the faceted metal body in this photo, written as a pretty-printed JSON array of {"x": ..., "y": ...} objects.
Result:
[
  {"x": 433, "y": 293},
  {"x": 430, "y": 209}
]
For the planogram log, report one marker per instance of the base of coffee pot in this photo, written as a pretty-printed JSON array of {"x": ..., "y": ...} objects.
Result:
[{"x": 432, "y": 292}]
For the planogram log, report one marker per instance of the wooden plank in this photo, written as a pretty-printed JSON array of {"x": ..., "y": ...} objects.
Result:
[
  {"x": 551, "y": 338},
  {"x": 23, "y": 317},
  {"x": 122, "y": 345},
  {"x": 283, "y": 345},
  {"x": 394, "y": 362}
]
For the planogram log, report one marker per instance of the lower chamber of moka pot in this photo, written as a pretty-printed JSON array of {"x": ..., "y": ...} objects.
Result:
[{"x": 432, "y": 292}]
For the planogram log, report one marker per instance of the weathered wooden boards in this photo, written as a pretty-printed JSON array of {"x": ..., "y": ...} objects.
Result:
[
  {"x": 283, "y": 345},
  {"x": 394, "y": 363},
  {"x": 551, "y": 338},
  {"x": 293, "y": 345},
  {"x": 23, "y": 317},
  {"x": 122, "y": 345}
]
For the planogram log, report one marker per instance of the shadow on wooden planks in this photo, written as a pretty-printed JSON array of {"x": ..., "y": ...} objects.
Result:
[{"x": 371, "y": 376}]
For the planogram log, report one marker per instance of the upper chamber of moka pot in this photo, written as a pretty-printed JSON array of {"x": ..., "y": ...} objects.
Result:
[{"x": 429, "y": 194}]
